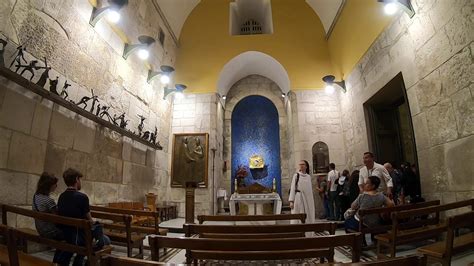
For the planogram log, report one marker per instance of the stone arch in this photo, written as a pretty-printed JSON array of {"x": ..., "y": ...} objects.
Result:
[{"x": 257, "y": 85}]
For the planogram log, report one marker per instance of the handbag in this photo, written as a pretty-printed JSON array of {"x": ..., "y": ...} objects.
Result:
[{"x": 349, "y": 213}]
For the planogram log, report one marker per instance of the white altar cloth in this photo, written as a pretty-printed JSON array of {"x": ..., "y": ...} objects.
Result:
[{"x": 255, "y": 202}]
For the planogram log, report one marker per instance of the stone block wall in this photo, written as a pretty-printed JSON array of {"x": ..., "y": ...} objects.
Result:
[
  {"x": 434, "y": 52},
  {"x": 199, "y": 113},
  {"x": 37, "y": 135}
]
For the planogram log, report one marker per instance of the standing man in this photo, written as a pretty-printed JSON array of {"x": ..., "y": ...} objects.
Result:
[
  {"x": 396, "y": 181},
  {"x": 372, "y": 168},
  {"x": 332, "y": 184}
]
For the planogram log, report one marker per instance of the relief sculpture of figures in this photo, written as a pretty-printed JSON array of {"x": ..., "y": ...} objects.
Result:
[
  {"x": 18, "y": 57},
  {"x": 2, "y": 52},
  {"x": 120, "y": 117},
  {"x": 31, "y": 67},
  {"x": 64, "y": 93},
  {"x": 45, "y": 76},
  {"x": 53, "y": 84},
  {"x": 153, "y": 136},
  {"x": 105, "y": 111},
  {"x": 192, "y": 149},
  {"x": 85, "y": 99},
  {"x": 141, "y": 125},
  {"x": 146, "y": 135}
]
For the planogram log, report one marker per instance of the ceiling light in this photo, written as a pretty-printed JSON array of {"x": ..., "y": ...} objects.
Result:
[{"x": 391, "y": 6}]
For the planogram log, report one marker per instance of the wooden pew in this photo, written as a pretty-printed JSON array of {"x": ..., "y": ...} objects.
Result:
[
  {"x": 119, "y": 231},
  {"x": 256, "y": 249},
  {"x": 444, "y": 250},
  {"x": 154, "y": 216},
  {"x": 251, "y": 218},
  {"x": 257, "y": 231},
  {"x": 386, "y": 212},
  {"x": 405, "y": 261},
  {"x": 409, "y": 226},
  {"x": 87, "y": 250}
]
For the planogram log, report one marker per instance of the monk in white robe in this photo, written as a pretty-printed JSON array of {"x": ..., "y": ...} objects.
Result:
[{"x": 301, "y": 194}]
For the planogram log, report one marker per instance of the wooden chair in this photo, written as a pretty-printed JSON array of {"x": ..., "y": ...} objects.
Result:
[
  {"x": 251, "y": 218},
  {"x": 257, "y": 249},
  {"x": 119, "y": 231},
  {"x": 415, "y": 225},
  {"x": 444, "y": 250},
  {"x": 81, "y": 224}
]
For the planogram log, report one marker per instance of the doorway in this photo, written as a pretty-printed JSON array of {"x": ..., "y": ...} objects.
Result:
[{"x": 389, "y": 124}]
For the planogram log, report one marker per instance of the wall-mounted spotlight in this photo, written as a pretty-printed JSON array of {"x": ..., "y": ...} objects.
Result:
[
  {"x": 283, "y": 95},
  {"x": 224, "y": 97},
  {"x": 329, "y": 80},
  {"x": 391, "y": 6},
  {"x": 141, "y": 48},
  {"x": 164, "y": 74},
  {"x": 111, "y": 11},
  {"x": 178, "y": 88}
]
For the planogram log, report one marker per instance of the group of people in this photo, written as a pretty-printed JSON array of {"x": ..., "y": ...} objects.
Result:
[
  {"x": 343, "y": 194},
  {"x": 71, "y": 203}
]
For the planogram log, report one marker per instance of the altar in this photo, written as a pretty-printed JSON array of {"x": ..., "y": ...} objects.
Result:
[{"x": 255, "y": 202}]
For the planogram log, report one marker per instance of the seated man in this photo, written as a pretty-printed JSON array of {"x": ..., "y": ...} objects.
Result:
[{"x": 74, "y": 204}]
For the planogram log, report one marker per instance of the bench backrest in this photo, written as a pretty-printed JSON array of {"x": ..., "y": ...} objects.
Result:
[
  {"x": 139, "y": 213},
  {"x": 455, "y": 222},
  {"x": 257, "y": 231},
  {"x": 122, "y": 261},
  {"x": 55, "y": 219},
  {"x": 257, "y": 249},
  {"x": 9, "y": 237},
  {"x": 406, "y": 219},
  {"x": 387, "y": 212},
  {"x": 414, "y": 260},
  {"x": 245, "y": 218}
]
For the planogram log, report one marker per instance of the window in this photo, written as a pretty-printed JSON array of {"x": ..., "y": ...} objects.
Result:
[
  {"x": 248, "y": 17},
  {"x": 320, "y": 158},
  {"x": 161, "y": 37}
]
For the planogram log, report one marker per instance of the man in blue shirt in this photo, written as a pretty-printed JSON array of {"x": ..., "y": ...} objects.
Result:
[{"x": 74, "y": 204}]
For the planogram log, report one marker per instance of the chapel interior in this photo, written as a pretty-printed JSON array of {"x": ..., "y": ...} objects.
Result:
[{"x": 180, "y": 111}]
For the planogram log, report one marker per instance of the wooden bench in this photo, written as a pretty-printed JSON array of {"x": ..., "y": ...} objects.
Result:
[
  {"x": 409, "y": 226},
  {"x": 257, "y": 231},
  {"x": 119, "y": 231},
  {"x": 152, "y": 228},
  {"x": 256, "y": 249},
  {"x": 132, "y": 205},
  {"x": 251, "y": 218},
  {"x": 81, "y": 224},
  {"x": 384, "y": 213},
  {"x": 405, "y": 261},
  {"x": 444, "y": 250}
]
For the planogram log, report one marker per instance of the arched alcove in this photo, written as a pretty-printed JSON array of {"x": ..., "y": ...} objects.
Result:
[
  {"x": 320, "y": 152},
  {"x": 255, "y": 132}
]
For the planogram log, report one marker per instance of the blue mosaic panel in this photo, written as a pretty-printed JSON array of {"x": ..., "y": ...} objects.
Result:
[{"x": 256, "y": 131}]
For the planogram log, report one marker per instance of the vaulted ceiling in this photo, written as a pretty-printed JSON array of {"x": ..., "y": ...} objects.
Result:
[{"x": 177, "y": 11}]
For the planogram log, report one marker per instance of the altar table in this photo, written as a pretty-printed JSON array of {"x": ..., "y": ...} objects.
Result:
[{"x": 255, "y": 202}]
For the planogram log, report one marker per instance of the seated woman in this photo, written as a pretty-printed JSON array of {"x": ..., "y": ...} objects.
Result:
[
  {"x": 369, "y": 199},
  {"x": 42, "y": 202}
]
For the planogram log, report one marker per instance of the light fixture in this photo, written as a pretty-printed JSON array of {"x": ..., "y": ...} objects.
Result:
[
  {"x": 142, "y": 47},
  {"x": 112, "y": 12},
  {"x": 164, "y": 74},
  {"x": 391, "y": 6},
  {"x": 283, "y": 95},
  {"x": 329, "y": 80},
  {"x": 224, "y": 97},
  {"x": 178, "y": 88}
]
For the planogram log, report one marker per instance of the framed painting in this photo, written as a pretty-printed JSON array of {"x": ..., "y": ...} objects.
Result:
[{"x": 190, "y": 159}]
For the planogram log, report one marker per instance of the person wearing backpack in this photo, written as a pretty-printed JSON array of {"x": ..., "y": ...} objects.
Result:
[
  {"x": 343, "y": 193},
  {"x": 301, "y": 194}
]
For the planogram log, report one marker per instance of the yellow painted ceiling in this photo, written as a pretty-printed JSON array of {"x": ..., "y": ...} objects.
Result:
[{"x": 298, "y": 42}]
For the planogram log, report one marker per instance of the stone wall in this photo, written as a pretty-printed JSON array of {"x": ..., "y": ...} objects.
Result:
[
  {"x": 200, "y": 113},
  {"x": 37, "y": 135},
  {"x": 434, "y": 52}
]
